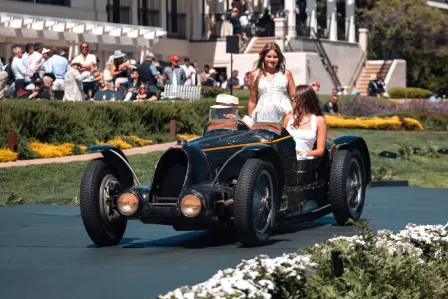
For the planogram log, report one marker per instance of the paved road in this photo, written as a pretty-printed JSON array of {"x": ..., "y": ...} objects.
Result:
[{"x": 45, "y": 252}]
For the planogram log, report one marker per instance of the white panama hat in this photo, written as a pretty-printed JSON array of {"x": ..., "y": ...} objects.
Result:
[
  {"x": 118, "y": 54},
  {"x": 226, "y": 101}
]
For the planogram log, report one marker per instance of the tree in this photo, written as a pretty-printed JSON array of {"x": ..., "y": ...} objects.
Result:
[{"x": 415, "y": 32}]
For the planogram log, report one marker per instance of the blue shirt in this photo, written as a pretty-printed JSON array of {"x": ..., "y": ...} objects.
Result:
[{"x": 57, "y": 65}]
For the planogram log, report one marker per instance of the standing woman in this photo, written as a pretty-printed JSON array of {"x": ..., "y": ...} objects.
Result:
[{"x": 271, "y": 87}]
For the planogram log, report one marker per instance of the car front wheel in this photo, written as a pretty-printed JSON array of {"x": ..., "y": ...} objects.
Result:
[
  {"x": 347, "y": 186},
  {"x": 255, "y": 202},
  {"x": 99, "y": 186}
]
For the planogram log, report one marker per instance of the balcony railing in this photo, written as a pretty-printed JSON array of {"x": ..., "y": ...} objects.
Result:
[
  {"x": 149, "y": 17},
  {"x": 118, "y": 14},
  {"x": 52, "y": 2},
  {"x": 176, "y": 25}
]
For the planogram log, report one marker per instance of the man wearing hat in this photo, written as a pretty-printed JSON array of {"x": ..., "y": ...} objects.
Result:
[
  {"x": 226, "y": 108},
  {"x": 173, "y": 74},
  {"x": 147, "y": 72}
]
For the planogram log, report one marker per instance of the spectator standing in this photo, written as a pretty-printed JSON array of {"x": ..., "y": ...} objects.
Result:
[
  {"x": 174, "y": 74},
  {"x": 190, "y": 72},
  {"x": 234, "y": 81},
  {"x": 35, "y": 61},
  {"x": 281, "y": 13},
  {"x": 120, "y": 71},
  {"x": 148, "y": 72},
  {"x": 211, "y": 79},
  {"x": 204, "y": 75},
  {"x": 19, "y": 70},
  {"x": 235, "y": 21},
  {"x": 87, "y": 61},
  {"x": 73, "y": 84},
  {"x": 372, "y": 88},
  {"x": 29, "y": 49},
  {"x": 58, "y": 65},
  {"x": 45, "y": 56},
  {"x": 435, "y": 98},
  {"x": 381, "y": 85}
]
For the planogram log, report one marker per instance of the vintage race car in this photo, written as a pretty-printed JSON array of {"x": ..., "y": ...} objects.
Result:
[{"x": 247, "y": 179}]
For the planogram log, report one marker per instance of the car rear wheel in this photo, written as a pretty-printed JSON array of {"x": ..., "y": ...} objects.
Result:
[
  {"x": 255, "y": 203},
  {"x": 99, "y": 185},
  {"x": 347, "y": 186}
]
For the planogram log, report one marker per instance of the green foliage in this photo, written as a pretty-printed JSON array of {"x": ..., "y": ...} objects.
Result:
[
  {"x": 404, "y": 150},
  {"x": 86, "y": 122},
  {"x": 372, "y": 271},
  {"x": 382, "y": 173},
  {"x": 416, "y": 33},
  {"x": 409, "y": 93}
]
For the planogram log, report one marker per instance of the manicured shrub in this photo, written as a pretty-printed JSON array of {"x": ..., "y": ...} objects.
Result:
[
  {"x": 409, "y": 93},
  {"x": 373, "y": 123},
  {"x": 365, "y": 106}
]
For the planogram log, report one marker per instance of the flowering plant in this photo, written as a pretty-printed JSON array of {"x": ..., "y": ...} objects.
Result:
[{"x": 412, "y": 263}]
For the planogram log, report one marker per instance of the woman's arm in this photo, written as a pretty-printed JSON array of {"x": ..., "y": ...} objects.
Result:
[
  {"x": 253, "y": 93},
  {"x": 287, "y": 119},
  {"x": 291, "y": 84},
  {"x": 321, "y": 138}
]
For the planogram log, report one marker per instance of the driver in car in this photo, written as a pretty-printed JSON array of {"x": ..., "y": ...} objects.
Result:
[{"x": 226, "y": 107}]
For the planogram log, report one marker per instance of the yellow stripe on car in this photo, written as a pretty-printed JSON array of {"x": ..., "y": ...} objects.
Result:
[{"x": 244, "y": 144}]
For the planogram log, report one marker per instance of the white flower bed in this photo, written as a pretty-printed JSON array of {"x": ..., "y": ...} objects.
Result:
[{"x": 256, "y": 278}]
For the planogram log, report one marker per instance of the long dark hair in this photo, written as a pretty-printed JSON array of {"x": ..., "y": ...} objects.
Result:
[
  {"x": 307, "y": 102},
  {"x": 268, "y": 47}
]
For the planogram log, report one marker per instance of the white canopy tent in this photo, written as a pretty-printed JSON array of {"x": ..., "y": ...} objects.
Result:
[{"x": 74, "y": 31}]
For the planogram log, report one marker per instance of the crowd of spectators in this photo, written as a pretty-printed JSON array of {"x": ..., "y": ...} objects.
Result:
[{"x": 35, "y": 72}]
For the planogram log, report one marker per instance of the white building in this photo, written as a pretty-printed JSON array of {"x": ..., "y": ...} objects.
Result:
[{"x": 186, "y": 28}]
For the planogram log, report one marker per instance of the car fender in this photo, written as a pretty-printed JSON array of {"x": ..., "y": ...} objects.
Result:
[
  {"x": 350, "y": 142},
  {"x": 261, "y": 151},
  {"x": 118, "y": 163}
]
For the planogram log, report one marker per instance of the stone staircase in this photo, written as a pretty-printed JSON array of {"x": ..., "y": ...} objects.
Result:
[
  {"x": 372, "y": 67},
  {"x": 259, "y": 43}
]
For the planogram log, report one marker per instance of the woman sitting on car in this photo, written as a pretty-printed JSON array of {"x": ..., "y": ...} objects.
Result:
[{"x": 306, "y": 124}]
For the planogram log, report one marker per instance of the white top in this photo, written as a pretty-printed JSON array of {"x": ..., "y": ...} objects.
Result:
[
  {"x": 89, "y": 59},
  {"x": 18, "y": 68},
  {"x": 304, "y": 139},
  {"x": 273, "y": 102}
]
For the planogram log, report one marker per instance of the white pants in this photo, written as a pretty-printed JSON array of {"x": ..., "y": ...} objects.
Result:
[{"x": 58, "y": 84}]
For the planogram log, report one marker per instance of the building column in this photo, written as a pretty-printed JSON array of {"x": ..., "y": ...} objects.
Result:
[
  {"x": 311, "y": 10},
  {"x": 134, "y": 12},
  {"x": 197, "y": 15},
  {"x": 280, "y": 32},
  {"x": 350, "y": 33},
  {"x": 290, "y": 7},
  {"x": 163, "y": 12},
  {"x": 332, "y": 24},
  {"x": 250, "y": 6},
  {"x": 363, "y": 38},
  {"x": 267, "y": 4}
]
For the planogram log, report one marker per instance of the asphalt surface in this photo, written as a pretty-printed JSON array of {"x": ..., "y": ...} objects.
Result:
[{"x": 45, "y": 252}]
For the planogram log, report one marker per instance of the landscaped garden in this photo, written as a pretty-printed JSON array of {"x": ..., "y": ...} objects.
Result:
[{"x": 416, "y": 132}]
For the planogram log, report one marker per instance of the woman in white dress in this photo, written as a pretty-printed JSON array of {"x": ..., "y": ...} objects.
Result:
[
  {"x": 306, "y": 124},
  {"x": 271, "y": 87}
]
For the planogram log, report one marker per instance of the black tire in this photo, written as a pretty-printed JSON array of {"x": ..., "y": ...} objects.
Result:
[
  {"x": 244, "y": 218},
  {"x": 347, "y": 174},
  {"x": 103, "y": 229}
]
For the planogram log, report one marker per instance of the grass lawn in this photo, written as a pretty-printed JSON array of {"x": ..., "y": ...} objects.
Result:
[{"x": 59, "y": 183}]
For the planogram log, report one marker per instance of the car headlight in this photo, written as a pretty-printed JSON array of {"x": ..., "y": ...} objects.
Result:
[
  {"x": 191, "y": 205},
  {"x": 128, "y": 204}
]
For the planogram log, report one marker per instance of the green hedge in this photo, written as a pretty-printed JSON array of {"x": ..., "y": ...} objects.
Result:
[
  {"x": 87, "y": 122},
  {"x": 409, "y": 93}
]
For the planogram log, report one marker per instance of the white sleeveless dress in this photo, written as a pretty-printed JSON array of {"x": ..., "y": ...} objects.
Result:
[
  {"x": 273, "y": 102},
  {"x": 304, "y": 139}
]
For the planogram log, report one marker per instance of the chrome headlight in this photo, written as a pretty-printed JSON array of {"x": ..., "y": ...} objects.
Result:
[
  {"x": 128, "y": 204},
  {"x": 191, "y": 205}
]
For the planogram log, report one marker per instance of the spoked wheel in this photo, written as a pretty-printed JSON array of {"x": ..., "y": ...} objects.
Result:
[
  {"x": 99, "y": 190},
  {"x": 347, "y": 186},
  {"x": 255, "y": 202}
]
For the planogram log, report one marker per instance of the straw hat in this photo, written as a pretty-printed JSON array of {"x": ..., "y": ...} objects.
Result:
[{"x": 226, "y": 101}]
